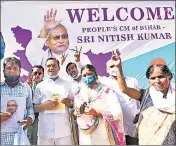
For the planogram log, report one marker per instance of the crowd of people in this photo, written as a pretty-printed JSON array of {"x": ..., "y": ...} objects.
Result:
[
  {"x": 85, "y": 108},
  {"x": 95, "y": 110}
]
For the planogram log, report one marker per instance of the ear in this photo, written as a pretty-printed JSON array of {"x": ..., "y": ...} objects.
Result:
[
  {"x": 170, "y": 76},
  {"x": 107, "y": 70},
  {"x": 47, "y": 42},
  {"x": 20, "y": 71}
]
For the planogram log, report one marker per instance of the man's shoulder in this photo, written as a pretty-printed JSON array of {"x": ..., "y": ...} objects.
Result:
[
  {"x": 2, "y": 83},
  {"x": 42, "y": 84},
  {"x": 25, "y": 85}
]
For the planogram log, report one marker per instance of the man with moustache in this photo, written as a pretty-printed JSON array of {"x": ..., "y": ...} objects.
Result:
[
  {"x": 13, "y": 88},
  {"x": 129, "y": 106},
  {"x": 11, "y": 106},
  {"x": 53, "y": 128},
  {"x": 55, "y": 36},
  {"x": 34, "y": 78},
  {"x": 72, "y": 69}
]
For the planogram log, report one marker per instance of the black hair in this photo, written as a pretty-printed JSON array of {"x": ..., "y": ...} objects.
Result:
[
  {"x": 38, "y": 66},
  {"x": 90, "y": 67},
  {"x": 69, "y": 65},
  {"x": 13, "y": 59},
  {"x": 163, "y": 68},
  {"x": 51, "y": 58}
]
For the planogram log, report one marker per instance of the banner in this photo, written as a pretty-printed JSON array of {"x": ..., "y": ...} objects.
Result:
[{"x": 141, "y": 31}]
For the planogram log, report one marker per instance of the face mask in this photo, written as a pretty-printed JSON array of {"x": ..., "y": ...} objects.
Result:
[
  {"x": 53, "y": 77},
  {"x": 113, "y": 72},
  {"x": 11, "y": 78},
  {"x": 75, "y": 78},
  {"x": 89, "y": 80}
]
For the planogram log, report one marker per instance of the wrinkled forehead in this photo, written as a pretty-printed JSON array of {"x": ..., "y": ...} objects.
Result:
[
  {"x": 71, "y": 66},
  {"x": 59, "y": 30},
  {"x": 37, "y": 69},
  {"x": 51, "y": 62},
  {"x": 11, "y": 63},
  {"x": 11, "y": 103},
  {"x": 87, "y": 71},
  {"x": 156, "y": 71}
]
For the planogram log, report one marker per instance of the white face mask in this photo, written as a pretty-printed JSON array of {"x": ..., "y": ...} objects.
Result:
[
  {"x": 76, "y": 77},
  {"x": 113, "y": 71},
  {"x": 53, "y": 77}
]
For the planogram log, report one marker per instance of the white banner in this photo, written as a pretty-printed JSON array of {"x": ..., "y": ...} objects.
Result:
[{"x": 141, "y": 31}]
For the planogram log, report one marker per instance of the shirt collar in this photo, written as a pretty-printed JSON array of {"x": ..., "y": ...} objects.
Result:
[
  {"x": 5, "y": 84},
  {"x": 50, "y": 80}
]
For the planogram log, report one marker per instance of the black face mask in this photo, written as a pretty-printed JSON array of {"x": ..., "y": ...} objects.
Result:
[{"x": 11, "y": 78}]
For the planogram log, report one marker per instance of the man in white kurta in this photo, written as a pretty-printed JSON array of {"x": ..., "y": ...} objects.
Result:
[
  {"x": 130, "y": 107},
  {"x": 54, "y": 125}
]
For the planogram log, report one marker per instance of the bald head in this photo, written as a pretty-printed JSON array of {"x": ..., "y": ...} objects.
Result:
[
  {"x": 12, "y": 106},
  {"x": 57, "y": 40},
  {"x": 59, "y": 28}
]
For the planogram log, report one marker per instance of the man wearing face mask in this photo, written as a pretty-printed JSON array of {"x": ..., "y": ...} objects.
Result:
[
  {"x": 55, "y": 36},
  {"x": 129, "y": 106},
  {"x": 13, "y": 88},
  {"x": 54, "y": 125}
]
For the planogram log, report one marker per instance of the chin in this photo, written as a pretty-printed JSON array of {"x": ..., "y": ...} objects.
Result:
[
  {"x": 160, "y": 89},
  {"x": 60, "y": 50}
]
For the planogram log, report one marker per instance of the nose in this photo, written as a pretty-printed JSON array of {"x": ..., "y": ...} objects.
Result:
[
  {"x": 61, "y": 41},
  {"x": 51, "y": 67},
  {"x": 157, "y": 80},
  {"x": 12, "y": 72}
]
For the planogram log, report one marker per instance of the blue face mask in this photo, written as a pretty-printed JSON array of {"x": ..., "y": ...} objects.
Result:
[
  {"x": 11, "y": 78},
  {"x": 89, "y": 80}
]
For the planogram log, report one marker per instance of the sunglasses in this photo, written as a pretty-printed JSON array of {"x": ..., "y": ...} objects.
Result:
[{"x": 39, "y": 73}]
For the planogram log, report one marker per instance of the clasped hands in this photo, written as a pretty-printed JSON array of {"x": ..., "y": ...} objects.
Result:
[{"x": 50, "y": 104}]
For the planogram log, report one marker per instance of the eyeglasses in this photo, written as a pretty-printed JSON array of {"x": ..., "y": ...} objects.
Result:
[
  {"x": 58, "y": 37},
  {"x": 39, "y": 73}
]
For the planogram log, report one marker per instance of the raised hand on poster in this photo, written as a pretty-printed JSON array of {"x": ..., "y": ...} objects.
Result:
[
  {"x": 63, "y": 58},
  {"x": 77, "y": 54},
  {"x": 49, "y": 20}
]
